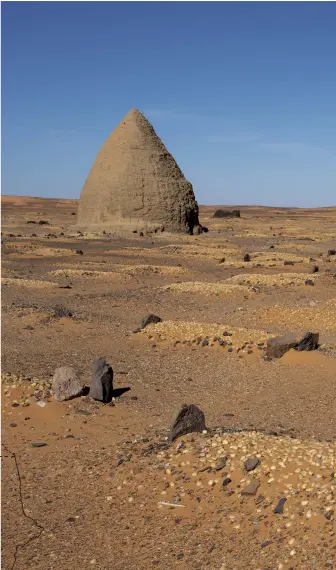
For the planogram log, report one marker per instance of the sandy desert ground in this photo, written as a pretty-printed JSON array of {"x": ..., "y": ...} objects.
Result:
[{"x": 93, "y": 496}]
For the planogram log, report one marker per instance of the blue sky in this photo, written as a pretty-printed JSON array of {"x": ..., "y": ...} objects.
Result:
[{"x": 243, "y": 94}]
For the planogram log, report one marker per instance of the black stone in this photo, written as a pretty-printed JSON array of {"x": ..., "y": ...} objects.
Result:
[
  {"x": 187, "y": 419},
  {"x": 309, "y": 282},
  {"x": 149, "y": 319},
  {"x": 310, "y": 341},
  {"x": 79, "y": 251},
  {"x": 251, "y": 463},
  {"x": 226, "y": 481},
  {"x": 101, "y": 387},
  {"x": 221, "y": 463},
  {"x": 205, "y": 342},
  {"x": 39, "y": 444},
  {"x": 266, "y": 543},
  {"x": 247, "y": 257},
  {"x": 280, "y": 506}
]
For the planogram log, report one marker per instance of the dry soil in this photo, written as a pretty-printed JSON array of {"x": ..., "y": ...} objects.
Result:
[{"x": 106, "y": 491}]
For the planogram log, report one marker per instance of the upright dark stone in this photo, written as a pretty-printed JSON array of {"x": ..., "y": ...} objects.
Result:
[
  {"x": 102, "y": 381},
  {"x": 187, "y": 419},
  {"x": 310, "y": 341},
  {"x": 280, "y": 506}
]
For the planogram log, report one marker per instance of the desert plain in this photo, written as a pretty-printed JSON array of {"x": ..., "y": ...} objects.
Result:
[{"x": 91, "y": 485}]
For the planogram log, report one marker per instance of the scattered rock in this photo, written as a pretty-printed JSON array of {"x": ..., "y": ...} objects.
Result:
[
  {"x": 79, "y": 251},
  {"x": 13, "y": 425},
  {"x": 44, "y": 223},
  {"x": 309, "y": 282},
  {"x": 289, "y": 262},
  {"x": 102, "y": 381},
  {"x": 280, "y": 506},
  {"x": 60, "y": 311},
  {"x": 251, "y": 463},
  {"x": 226, "y": 481},
  {"x": 278, "y": 346},
  {"x": 227, "y": 214},
  {"x": 205, "y": 342},
  {"x": 187, "y": 419},
  {"x": 331, "y": 251},
  {"x": 315, "y": 269},
  {"x": 259, "y": 499},
  {"x": 39, "y": 444},
  {"x": 149, "y": 319},
  {"x": 251, "y": 488},
  {"x": 310, "y": 341},
  {"x": 247, "y": 257},
  {"x": 66, "y": 384},
  {"x": 221, "y": 463}
]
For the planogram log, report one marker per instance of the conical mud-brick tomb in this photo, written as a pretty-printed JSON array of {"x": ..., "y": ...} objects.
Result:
[{"x": 136, "y": 185}]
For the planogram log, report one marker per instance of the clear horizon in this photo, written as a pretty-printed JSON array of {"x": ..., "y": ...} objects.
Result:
[{"x": 241, "y": 93}]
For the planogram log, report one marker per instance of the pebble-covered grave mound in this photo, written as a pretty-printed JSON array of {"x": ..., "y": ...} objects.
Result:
[{"x": 276, "y": 495}]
